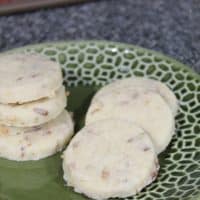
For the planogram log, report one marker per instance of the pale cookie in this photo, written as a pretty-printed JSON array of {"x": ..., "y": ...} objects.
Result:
[
  {"x": 37, "y": 142},
  {"x": 145, "y": 84},
  {"x": 110, "y": 158},
  {"x": 25, "y": 78},
  {"x": 147, "y": 109},
  {"x": 33, "y": 113}
]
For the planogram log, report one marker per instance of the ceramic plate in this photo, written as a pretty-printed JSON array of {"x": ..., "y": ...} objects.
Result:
[{"x": 86, "y": 67}]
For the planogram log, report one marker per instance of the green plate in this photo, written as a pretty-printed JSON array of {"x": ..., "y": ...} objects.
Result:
[{"x": 87, "y": 66}]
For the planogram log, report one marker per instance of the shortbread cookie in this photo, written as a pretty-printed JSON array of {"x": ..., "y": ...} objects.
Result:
[
  {"x": 147, "y": 109},
  {"x": 35, "y": 112},
  {"x": 36, "y": 142},
  {"x": 135, "y": 83},
  {"x": 25, "y": 78},
  {"x": 110, "y": 158}
]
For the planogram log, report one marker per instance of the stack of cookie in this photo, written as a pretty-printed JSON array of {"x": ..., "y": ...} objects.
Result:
[{"x": 33, "y": 121}]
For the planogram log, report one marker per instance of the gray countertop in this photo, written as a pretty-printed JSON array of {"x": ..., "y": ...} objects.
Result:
[{"x": 171, "y": 27}]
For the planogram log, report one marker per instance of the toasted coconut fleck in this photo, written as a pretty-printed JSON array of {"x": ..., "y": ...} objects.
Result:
[
  {"x": 75, "y": 145},
  {"x": 105, "y": 174},
  {"x": 135, "y": 95},
  {"x": 22, "y": 154},
  {"x": 58, "y": 147},
  {"x": 35, "y": 75},
  {"x": 146, "y": 148},
  {"x": 99, "y": 105},
  {"x": 4, "y": 130},
  {"x": 130, "y": 140},
  {"x": 26, "y": 138},
  {"x": 48, "y": 132},
  {"x": 124, "y": 102},
  {"x": 33, "y": 129},
  {"x": 12, "y": 119},
  {"x": 157, "y": 164},
  {"x": 22, "y": 148},
  {"x": 41, "y": 111},
  {"x": 154, "y": 175},
  {"x": 19, "y": 79},
  {"x": 95, "y": 110},
  {"x": 67, "y": 93},
  {"x": 91, "y": 131},
  {"x": 147, "y": 102}
]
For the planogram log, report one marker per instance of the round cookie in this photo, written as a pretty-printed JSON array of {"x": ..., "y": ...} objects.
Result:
[
  {"x": 37, "y": 142},
  {"x": 25, "y": 78},
  {"x": 145, "y": 84},
  {"x": 110, "y": 158},
  {"x": 33, "y": 113},
  {"x": 147, "y": 109}
]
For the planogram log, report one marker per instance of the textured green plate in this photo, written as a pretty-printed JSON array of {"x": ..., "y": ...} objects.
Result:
[{"x": 88, "y": 65}]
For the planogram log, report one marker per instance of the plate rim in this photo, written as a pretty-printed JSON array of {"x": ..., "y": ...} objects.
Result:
[
  {"x": 186, "y": 67},
  {"x": 193, "y": 72}
]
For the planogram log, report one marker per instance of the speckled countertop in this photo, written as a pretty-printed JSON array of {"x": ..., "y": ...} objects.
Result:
[{"x": 171, "y": 27}]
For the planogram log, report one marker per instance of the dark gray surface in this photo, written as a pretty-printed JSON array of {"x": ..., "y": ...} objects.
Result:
[{"x": 171, "y": 27}]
